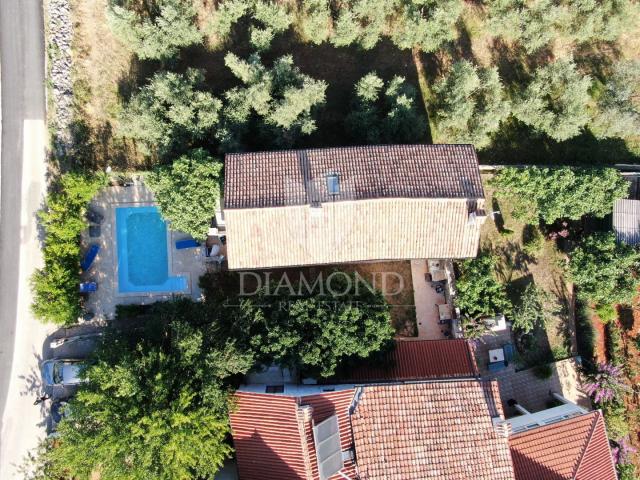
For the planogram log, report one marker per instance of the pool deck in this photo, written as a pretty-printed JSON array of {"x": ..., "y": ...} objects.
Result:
[{"x": 104, "y": 271}]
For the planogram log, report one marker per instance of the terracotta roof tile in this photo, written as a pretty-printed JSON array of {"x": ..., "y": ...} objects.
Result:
[
  {"x": 573, "y": 448},
  {"x": 430, "y": 430},
  {"x": 298, "y": 177},
  {"x": 416, "y": 360}
]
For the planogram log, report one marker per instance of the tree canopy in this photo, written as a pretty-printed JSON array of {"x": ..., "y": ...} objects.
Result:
[
  {"x": 187, "y": 191},
  {"x": 279, "y": 101},
  {"x": 618, "y": 112},
  {"x": 556, "y": 100},
  {"x": 530, "y": 312},
  {"x": 604, "y": 271},
  {"x": 155, "y": 29},
  {"x": 560, "y": 193},
  {"x": 469, "y": 104},
  {"x": 170, "y": 114},
  {"x": 156, "y": 401},
  {"x": 480, "y": 294},
  {"x": 385, "y": 114}
]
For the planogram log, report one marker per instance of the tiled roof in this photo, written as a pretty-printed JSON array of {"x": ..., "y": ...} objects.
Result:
[
  {"x": 272, "y": 440},
  {"x": 430, "y": 430},
  {"x": 417, "y": 360},
  {"x": 298, "y": 177},
  {"x": 576, "y": 448}
]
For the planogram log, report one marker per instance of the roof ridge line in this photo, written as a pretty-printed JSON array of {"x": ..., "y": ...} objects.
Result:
[
  {"x": 586, "y": 445},
  {"x": 302, "y": 430}
]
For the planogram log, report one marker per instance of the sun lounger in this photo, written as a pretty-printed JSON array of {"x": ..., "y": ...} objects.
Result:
[
  {"x": 188, "y": 243},
  {"x": 94, "y": 217},
  {"x": 88, "y": 287},
  {"x": 90, "y": 256}
]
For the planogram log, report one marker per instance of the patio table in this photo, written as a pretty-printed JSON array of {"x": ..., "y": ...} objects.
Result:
[{"x": 445, "y": 311}]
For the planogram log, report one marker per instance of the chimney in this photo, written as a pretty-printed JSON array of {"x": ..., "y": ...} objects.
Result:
[
  {"x": 307, "y": 413},
  {"x": 502, "y": 428}
]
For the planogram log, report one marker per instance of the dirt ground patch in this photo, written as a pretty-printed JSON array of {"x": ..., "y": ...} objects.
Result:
[{"x": 517, "y": 269}]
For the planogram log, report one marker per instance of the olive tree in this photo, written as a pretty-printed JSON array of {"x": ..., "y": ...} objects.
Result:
[
  {"x": 469, "y": 104},
  {"x": 556, "y": 100},
  {"x": 156, "y": 29},
  {"x": 171, "y": 113}
]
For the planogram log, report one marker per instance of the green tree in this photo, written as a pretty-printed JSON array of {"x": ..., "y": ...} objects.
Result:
[
  {"x": 314, "y": 332},
  {"x": 171, "y": 113},
  {"x": 385, "y": 115},
  {"x": 267, "y": 17},
  {"x": 155, "y": 29},
  {"x": 556, "y": 100},
  {"x": 555, "y": 193},
  {"x": 604, "y": 271},
  {"x": 55, "y": 286},
  {"x": 602, "y": 20},
  {"x": 363, "y": 22},
  {"x": 533, "y": 24},
  {"x": 469, "y": 104},
  {"x": 426, "y": 24},
  {"x": 279, "y": 102},
  {"x": 187, "y": 190},
  {"x": 316, "y": 20},
  {"x": 618, "y": 112},
  {"x": 155, "y": 403},
  {"x": 530, "y": 311},
  {"x": 480, "y": 294}
]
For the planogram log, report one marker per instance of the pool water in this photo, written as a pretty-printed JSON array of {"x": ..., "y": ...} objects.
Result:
[{"x": 143, "y": 258}]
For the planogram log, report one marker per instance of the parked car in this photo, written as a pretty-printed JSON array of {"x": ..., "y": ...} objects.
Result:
[{"x": 61, "y": 372}]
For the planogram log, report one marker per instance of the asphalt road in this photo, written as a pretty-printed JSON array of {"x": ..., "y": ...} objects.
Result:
[{"x": 21, "y": 192}]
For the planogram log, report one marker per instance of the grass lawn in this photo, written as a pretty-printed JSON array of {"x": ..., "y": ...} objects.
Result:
[{"x": 517, "y": 269}]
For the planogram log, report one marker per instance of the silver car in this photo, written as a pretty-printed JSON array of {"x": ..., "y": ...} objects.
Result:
[{"x": 61, "y": 372}]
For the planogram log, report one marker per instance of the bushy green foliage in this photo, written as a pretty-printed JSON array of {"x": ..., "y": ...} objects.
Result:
[
  {"x": 156, "y": 401},
  {"x": 606, "y": 312},
  {"x": 618, "y": 112},
  {"x": 268, "y": 18},
  {"x": 279, "y": 101},
  {"x": 385, "y": 115},
  {"x": 314, "y": 332},
  {"x": 170, "y": 114},
  {"x": 480, "y": 294},
  {"x": 557, "y": 193},
  {"x": 187, "y": 191},
  {"x": 598, "y": 20},
  {"x": 603, "y": 270},
  {"x": 556, "y": 100},
  {"x": 316, "y": 20},
  {"x": 532, "y": 240},
  {"x": 56, "y": 296},
  {"x": 615, "y": 419},
  {"x": 530, "y": 313},
  {"x": 363, "y": 22},
  {"x": 426, "y": 24},
  {"x": 469, "y": 104},
  {"x": 156, "y": 29}
]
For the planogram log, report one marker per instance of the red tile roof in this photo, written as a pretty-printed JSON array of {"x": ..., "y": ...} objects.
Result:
[
  {"x": 430, "y": 430},
  {"x": 298, "y": 177},
  {"x": 272, "y": 440},
  {"x": 418, "y": 360},
  {"x": 576, "y": 448}
]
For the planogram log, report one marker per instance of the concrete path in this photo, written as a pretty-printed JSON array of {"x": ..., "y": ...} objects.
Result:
[
  {"x": 426, "y": 300},
  {"x": 22, "y": 190}
]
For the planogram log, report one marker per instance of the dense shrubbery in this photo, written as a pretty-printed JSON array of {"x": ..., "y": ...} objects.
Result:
[
  {"x": 470, "y": 104},
  {"x": 56, "y": 296},
  {"x": 154, "y": 29},
  {"x": 187, "y": 191},
  {"x": 557, "y": 193},
  {"x": 603, "y": 270},
  {"x": 530, "y": 313},
  {"x": 385, "y": 114}
]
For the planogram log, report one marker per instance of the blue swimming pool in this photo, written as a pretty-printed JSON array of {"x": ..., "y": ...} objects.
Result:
[{"x": 143, "y": 259}]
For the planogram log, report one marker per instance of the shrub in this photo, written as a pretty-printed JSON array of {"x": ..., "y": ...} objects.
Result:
[
  {"x": 385, "y": 115},
  {"x": 603, "y": 270},
  {"x": 170, "y": 114},
  {"x": 480, "y": 294},
  {"x": 606, "y": 384},
  {"x": 469, "y": 104},
  {"x": 606, "y": 312},
  {"x": 555, "y": 102},
  {"x": 187, "y": 191},
  {"x": 543, "y": 371},
  {"x": 157, "y": 29},
  {"x": 530, "y": 312},
  {"x": 56, "y": 296},
  {"x": 616, "y": 420},
  {"x": 316, "y": 20},
  {"x": 532, "y": 240},
  {"x": 618, "y": 112},
  {"x": 614, "y": 345},
  {"x": 556, "y": 193}
]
